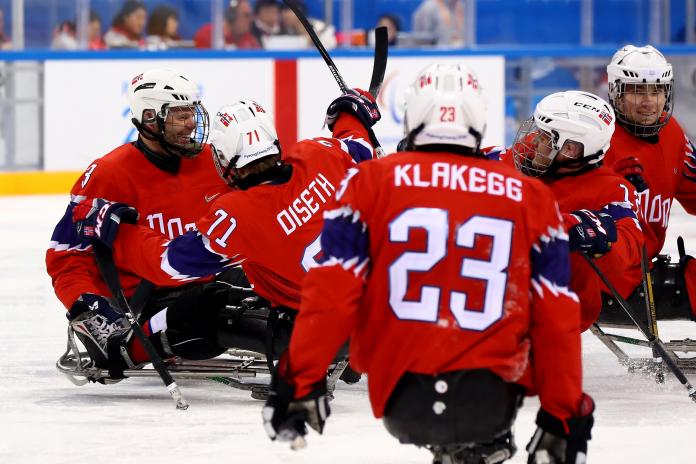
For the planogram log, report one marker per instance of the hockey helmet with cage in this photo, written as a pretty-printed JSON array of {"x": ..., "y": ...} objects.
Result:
[
  {"x": 242, "y": 134},
  {"x": 166, "y": 107},
  {"x": 444, "y": 107},
  {"x": 561, "y": 119},
  {"x": 643, "y": 71}
]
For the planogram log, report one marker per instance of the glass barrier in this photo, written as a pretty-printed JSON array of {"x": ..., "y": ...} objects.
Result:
[{"x": 98, "y": 24}]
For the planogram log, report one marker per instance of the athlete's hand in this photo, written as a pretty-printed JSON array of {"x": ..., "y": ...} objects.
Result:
[
  {"x": 98, "y": 219},
  {"x": 286, "y": 418},
  {"x": 632, "y": 170},
  {"x": 357, "y": 102},
  {"x": 562, "y": 441},
  {"x": 590, "y": 232}
]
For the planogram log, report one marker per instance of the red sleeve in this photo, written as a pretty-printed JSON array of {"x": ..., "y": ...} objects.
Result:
[
  {"x": 188, "y": 257},
  {"x": 555, "y": 314},
  {"x": 331, "y": 292},
  {"x": 69, "y": 261},
  {"x": 686, "y": 186}
]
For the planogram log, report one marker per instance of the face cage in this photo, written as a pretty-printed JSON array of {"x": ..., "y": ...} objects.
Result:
[
  {"x": 224, "y": 168},
  {"x": 524, "y": 150},
  {"x": 616, "y": 91},
  {"x": 197, "y": 138}
]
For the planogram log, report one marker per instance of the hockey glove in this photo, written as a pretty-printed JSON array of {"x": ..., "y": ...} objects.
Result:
[
  {"x": 632, "y": 170},
  {"x": 286, "y": 418},
  {"x": 358, "y": 103},
  {"x": 590, "y": 232},
  {"x": 562, "y": 442},
  {"x": 99, "y": 219}
]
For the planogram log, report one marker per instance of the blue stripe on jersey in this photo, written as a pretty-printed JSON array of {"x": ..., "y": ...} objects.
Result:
[
  {"x": 345, "y": 241},
  {"x": 358, "y": 149},
  {"x": 65, "y": 236},
  {"x": 551, "y": 263},
  {"x": 690, "y": 164},
  {"x": 187, "y": 257},
  {"x": 620, "y": 210},
  {"x": 495, "y": 153}
]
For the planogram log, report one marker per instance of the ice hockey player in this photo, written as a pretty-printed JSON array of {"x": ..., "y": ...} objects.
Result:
[
  {"x": 269, "y": 222},
  {"x": 563, "y": 144},
  {"x": 449, "y": 273},
  {"x": 169, "y": 175},
  {"x": 650, "y": 149}
]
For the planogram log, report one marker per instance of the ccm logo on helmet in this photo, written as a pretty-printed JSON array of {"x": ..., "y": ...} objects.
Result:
[{"x": 225, "y": 119}]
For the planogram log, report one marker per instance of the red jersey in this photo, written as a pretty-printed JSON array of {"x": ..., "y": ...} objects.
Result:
[
  {"x": 272, "y": 229},
  {"x": 602, "y": 190},
  {"x": 434, "y": 262},
  {"x": 669, "y": 169},
  {"x": 168, "y": 203}
]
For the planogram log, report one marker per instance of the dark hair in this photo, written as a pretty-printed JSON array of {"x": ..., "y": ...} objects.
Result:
[
  {"x": 94, "y": 16},
  {"x": 157, "y": 24},
  {"x": 260, "y": 4},
  {"x": 128, "y": 8}
]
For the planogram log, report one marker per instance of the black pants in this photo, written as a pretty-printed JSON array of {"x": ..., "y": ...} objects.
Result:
[
  {"x": 468, "y": 406},
  {"x": 669, "y": 294},
  {"x": 205, "y": 319}
]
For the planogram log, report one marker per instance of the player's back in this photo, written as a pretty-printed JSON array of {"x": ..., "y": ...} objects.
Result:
[
  {"x": 451, "y": 241},
  {"x": 277, "y": 225}
]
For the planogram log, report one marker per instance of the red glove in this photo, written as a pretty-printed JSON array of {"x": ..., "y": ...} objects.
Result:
[{"x": 632, "y": 170}]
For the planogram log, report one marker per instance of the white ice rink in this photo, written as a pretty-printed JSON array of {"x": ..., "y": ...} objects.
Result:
[{"x": 46, "y": 419}]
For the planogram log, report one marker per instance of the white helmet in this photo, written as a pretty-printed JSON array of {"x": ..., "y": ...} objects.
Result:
[
  {"x": 242, "y": 133},
  {"x": 444, "y": 106},
  {"x": 574, "y": 117},
  {"x": 640, "y": 67},
  {"x": 152, "y": 95}
]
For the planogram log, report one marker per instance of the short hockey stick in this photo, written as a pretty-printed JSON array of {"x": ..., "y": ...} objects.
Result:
[
  {"x": 379, "y": 46},
  {"x": 654, "y": 341},
  {"x": 105, "y": 262},
  {"x": 650, "y": 304}
]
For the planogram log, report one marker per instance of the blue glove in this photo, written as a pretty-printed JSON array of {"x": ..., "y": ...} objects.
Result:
[
  {"x": 285, "y": 418},
  {"x": 551, "y": 442},
  {"x": 98, "y": 219},
  {"x": 592, "y": 232},
  {"x": 358, "y": 103}
]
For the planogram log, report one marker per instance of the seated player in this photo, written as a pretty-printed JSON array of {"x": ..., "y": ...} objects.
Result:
[
  {"x": 169, "y": 175},
  {"x": 563, "y": 144},
  {"x": 449, "y": 273},
  {"x": 650, "y": 149},
  {"x": 270, "y": 219}
]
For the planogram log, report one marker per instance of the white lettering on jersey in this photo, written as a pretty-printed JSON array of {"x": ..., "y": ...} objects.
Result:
[
  {"x": 88, "y": 174},
  {"x": 174, "y": 226},
  {"x": 654, "y": 209},
  {"x": 463, "y": 178},
  {"x": 306, "y": 205}
]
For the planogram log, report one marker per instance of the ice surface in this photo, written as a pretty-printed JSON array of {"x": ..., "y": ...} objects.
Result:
[{"x": 45, "y": 419}]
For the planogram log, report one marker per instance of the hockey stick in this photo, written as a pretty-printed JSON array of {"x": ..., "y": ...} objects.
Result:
[
  {"x": 379, "y": 65},
  {"x": 381, "y": 48},
  {"x": 650, "y": 307},
  {"x": 105, "y": 262},
  {"x": 655, "y": 342}
]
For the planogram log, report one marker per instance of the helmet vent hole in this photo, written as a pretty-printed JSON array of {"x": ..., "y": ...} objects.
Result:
[
  {"x": 147, "y": 85},
  {"x": 168, "y": 87}
]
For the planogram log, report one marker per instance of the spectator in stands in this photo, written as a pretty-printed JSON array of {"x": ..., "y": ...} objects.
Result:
[
  {"x": 441, "y": 21},
  {"x": 290, "y": 25},
  {"x": 127, "y": 27},
  {"x": 393, "y": 26},
  {"x": 65, "y": 36},
  {"x": 162, "y": 28},
  {"x": 236, "y": 28},
  {"x": 266, "y": 19},
  {"x": 5, "y": 42}
]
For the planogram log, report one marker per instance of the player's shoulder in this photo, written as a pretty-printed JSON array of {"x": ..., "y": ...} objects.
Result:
[{"x": 113, "y": 167}]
